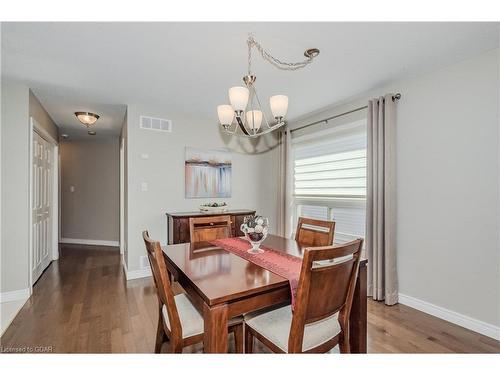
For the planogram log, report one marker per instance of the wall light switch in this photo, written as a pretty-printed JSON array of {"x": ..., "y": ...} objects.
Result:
[
  {"x": 144, "y": 156},
  {"x": 72, "y": 189},
  {"x": 144, "y": 186}
]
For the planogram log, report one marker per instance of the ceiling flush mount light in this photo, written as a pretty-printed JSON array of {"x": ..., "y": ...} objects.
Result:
[
  {"x": 245, "y": 111},
  {"x": 87, "y": 118}
]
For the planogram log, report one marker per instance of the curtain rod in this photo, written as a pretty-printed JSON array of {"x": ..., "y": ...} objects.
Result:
[{"x": 394, "y": 98}]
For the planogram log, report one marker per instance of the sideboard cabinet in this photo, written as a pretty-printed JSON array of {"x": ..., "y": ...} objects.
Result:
[{"x": 178, "y": 223}]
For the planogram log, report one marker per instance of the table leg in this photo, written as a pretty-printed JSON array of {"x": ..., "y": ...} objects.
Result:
[
  {"x": 357, "y": 320},
  {"x": 215, "y": 336}
]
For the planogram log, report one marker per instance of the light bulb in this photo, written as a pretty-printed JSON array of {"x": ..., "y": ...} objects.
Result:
[
  {"x": 238, "y": 96},
  {"x": 226, "y": 114},
  {"x": 279, "y": 105},
  {"x": 254, "y": 119}
]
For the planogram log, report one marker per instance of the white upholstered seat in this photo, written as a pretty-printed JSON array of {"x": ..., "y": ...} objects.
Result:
[
  {"x": 275, "y": 326},
  {"x": 191, "y": 320}
]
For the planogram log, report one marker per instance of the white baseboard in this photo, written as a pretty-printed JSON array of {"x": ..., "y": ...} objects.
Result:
[
  {"x": 138, "y": 274},
  {"x": 15, "y": 295},
  {"x": 135, "y": 274},
  {"x": 473, "y": 324},
  {"x": 79, "y": 241},
  {"x": 10, "y": 304}
]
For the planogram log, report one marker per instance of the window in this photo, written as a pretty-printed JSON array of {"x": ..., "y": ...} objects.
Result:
[{"x": 330, "y": 178}]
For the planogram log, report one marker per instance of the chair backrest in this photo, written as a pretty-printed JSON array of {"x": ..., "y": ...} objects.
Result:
[
  {"x": 312, "y": 232},
  {"x": 326, "y": 286},
  {"x": 209, "y": 228},
  {"x": 162, "y": 282}
]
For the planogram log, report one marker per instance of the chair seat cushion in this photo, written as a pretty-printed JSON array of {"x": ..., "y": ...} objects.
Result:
[
  {"x": 191, "y": 320},
  {"x": 275, "y": 326}
]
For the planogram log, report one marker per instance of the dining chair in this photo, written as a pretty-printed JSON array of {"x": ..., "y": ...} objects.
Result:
[
  {"x": 179, "y": 322},
  {"x": 320, "y": 319},
  {"x": 209, "y": 228},
  {"x": 312, "y": 232}
]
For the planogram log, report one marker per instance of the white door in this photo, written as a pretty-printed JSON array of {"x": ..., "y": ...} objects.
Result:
[{"x": 42, "y": 205}]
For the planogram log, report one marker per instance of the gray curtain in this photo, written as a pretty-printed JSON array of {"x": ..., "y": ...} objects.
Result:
[
  {"x": 381, "y": 200},
  {"x": 285, "y": 184}
]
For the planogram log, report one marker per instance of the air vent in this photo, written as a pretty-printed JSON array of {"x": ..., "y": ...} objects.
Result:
[{"x": 153, "y": 123}]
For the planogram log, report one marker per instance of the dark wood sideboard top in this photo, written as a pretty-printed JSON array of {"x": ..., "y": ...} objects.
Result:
[{"x": 205, "y": 213}]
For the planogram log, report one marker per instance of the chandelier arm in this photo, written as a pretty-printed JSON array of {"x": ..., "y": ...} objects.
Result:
[
  {"x": 277, "y": 126},
  {"x": 242, "y": 126},
  {"x": 260, "y": 106}
]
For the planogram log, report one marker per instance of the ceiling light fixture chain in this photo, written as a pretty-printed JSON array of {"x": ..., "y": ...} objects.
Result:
[
  {"x": 249, "y": 43},
  {"x": 310, "y": 54}
]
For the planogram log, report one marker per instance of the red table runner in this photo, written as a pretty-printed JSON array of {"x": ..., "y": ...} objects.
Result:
[{"x": 280, "y": 263}]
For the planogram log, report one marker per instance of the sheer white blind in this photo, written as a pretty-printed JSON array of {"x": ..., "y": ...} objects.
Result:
[
  {"x": 330, "y": 178},
  {"x": 314, "y": 212},
  {"x": 331, "y": 166}
]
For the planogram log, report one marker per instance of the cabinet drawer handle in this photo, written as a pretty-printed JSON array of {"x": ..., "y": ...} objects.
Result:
[{"x": 211, "y": 223}]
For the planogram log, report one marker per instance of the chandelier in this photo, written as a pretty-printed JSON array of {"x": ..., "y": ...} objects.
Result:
[{"x": 245, "y": 106}]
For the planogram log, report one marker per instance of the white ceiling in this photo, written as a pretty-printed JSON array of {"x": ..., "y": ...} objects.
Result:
[{"x": 188, "y": 67}]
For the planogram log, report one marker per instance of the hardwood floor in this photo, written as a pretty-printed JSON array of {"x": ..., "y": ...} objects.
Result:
[{"x": 83, "y": 304}]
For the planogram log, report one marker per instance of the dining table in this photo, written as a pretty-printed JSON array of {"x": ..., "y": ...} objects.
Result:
[{"x": 222, "y": 285}]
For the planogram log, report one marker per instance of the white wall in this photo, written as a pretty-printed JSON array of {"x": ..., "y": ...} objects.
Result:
[
  {"x": 17, "y": 105},
  {"x": 42, "y": 117},
  {"x": 124, "y": 214},
  {"x": 15, "y": 189},
  {"x": 252, "y": 179},
  {"x": 448, "y": 214},
  {"x": 448, "y": 173},
  {"x": 92, "y": 210}
]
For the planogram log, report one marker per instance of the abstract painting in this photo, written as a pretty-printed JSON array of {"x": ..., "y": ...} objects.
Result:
[{"x": 208, "y": 173}]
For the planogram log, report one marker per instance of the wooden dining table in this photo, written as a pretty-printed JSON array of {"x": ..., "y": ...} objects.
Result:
[{"x": 221, "y": 285}]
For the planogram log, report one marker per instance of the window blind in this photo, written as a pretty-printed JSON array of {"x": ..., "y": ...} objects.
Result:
[
  {"x": 314, "y": 212},
  {"x": 330, "y": 178},
  {"x": 332, "y": 166}
]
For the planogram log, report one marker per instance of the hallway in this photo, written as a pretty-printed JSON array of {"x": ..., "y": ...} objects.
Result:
[{"x": 83, "y": 304}]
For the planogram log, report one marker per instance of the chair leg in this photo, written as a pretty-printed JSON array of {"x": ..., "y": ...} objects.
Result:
[
  {"x": 160, "y": 335},
  {"x": 238, "y": 338},
  {"x": 248, "y": 340},
  {"x": 176, "y": 348},
  {"x": 344, "y": 346}
]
